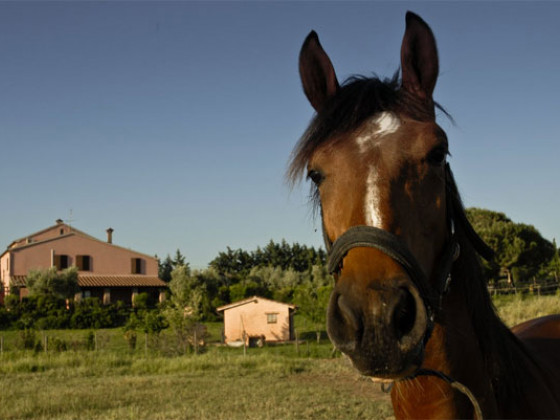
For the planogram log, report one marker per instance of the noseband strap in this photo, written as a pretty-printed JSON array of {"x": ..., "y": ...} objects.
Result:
[
  {"x": 384, "y": 241},
  {"x": 393, "y": 246}
]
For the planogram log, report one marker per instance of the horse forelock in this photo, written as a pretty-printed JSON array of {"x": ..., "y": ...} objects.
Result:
[{"x": 358, "y": 99}]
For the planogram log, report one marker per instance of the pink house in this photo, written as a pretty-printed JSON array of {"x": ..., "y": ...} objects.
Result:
[
  {"x": 258, "y": 318},
  {"x": 105, "y": 270}
]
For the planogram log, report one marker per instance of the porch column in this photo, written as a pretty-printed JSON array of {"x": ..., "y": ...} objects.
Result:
[
  {"x": 106, "y": 296},
  {"x": 134, "y": 294}
]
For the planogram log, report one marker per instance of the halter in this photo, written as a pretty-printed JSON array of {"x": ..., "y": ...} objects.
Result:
[{"x": 394, "y": 247}]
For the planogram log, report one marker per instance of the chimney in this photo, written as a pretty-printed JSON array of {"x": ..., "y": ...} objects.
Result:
[{"x": 110, "y": 235}]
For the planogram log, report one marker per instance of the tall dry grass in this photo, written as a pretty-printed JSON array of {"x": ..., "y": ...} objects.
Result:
[{"x": 514, "y": 309}]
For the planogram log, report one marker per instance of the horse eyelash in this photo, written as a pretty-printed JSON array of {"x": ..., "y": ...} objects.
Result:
[{"x": 315, "y": 200}]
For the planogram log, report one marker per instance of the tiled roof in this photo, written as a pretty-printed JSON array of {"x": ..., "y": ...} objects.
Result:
[
  {"x": 18, "y": 281},
  {"x": 107, "y": 280}
]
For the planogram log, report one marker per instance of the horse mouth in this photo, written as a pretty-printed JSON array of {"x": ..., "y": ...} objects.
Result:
[
  {"x": 385, "y": 345},
  {"x": 388, "y": 368}
]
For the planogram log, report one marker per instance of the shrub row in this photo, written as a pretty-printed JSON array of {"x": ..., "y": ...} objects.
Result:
[{"x": 46, "y": 312}]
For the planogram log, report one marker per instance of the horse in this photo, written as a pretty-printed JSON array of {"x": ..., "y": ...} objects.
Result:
[{"x": 410, "y": 306}]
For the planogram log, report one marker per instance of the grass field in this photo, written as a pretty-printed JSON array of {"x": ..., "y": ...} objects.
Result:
[
  {"x": 276, "y": 382},
  {"x": 514, "y": 309},
  {"x": 215, "y": 385}
]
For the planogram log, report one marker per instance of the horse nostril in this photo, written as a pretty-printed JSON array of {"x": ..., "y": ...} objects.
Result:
[
  {"x": 348, "y": 313},
  {"x": 404, "y": 315}
]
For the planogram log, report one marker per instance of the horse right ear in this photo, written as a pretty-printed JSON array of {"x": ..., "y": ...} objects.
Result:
[{"x": 317, "y": 72}]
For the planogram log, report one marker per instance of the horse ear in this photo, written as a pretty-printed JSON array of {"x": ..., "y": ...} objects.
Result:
[
  {"x": 316, "y": 71},
  {"x": 419, "y": 58}
]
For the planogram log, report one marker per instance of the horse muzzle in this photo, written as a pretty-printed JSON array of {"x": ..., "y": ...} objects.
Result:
[
  {"x": 382, "y": 329},
  {"x": 381, "y": 312}
]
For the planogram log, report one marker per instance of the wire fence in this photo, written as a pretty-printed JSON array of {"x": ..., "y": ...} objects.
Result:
[{"x": 537, "y": 289}]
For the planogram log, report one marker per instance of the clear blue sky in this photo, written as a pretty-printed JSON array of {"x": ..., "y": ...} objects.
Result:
[{"x": 172, "y": 122}]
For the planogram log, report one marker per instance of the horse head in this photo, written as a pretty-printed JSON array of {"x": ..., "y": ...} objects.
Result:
[{"x": 377, "y": 159}]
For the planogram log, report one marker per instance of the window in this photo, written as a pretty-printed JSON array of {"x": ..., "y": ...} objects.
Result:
[
  {"x": 137, "y": 266},
  {"x": 83, "y": 262},
  {"x": 87, "y": 293},
  {"x": 271, "y": 318},
  {"x": 61, "y": 262}
]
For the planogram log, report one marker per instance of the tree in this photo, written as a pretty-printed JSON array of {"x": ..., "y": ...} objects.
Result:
[
  {"x": 312, "y": 300},
  {"x": 554, "y": 265},
  {"x": 165, "y": 268},
  {"x": 236, "y": 264},
  {"x": 61, "y": 284},
  {"x": 519, "y": 248},
  {"x": 179, "y": 259},
  {"x": 185, "y": 309},
  {"x": 232, "y": 264}
]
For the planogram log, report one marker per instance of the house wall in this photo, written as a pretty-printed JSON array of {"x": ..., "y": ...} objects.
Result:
[
  {"x": 105, "y": 258},
  {"x": 5, "y": 263},
  {"x": 52, "y": 232},
  {"x": 253, "y": 317}
]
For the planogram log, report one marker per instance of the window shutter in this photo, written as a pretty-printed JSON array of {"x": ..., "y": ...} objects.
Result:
[
  {"x": 80, "y": 262},
  {"x": 83, "y": 262},
  {"x": 56, "y": 261}
]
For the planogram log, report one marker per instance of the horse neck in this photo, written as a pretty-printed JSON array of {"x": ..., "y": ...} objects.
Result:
[{"x": 470, "y": 344}]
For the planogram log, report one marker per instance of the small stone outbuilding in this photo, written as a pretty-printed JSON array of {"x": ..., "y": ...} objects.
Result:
[{"x": 256, "y": 319}]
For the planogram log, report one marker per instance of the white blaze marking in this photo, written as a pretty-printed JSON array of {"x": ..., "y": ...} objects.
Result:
[
  {"x": 388, "y": 123},
  {"x": 378, "y": 127},
  {"x": 372, "y": 200}
]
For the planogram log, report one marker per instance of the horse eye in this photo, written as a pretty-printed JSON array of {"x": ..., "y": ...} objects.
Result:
[
  {"x": 437, "y": 156},
  {"x": 315, "y": 176}
]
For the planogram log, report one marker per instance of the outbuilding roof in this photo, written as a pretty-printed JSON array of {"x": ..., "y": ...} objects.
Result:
[{"x": 253, "y": 299}]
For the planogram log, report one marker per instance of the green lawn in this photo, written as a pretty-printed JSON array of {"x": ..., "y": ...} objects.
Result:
[{"x": 217, "y": 385}]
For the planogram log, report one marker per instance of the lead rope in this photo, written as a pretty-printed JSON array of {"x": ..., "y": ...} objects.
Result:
[{"x": 386, "y": 388}]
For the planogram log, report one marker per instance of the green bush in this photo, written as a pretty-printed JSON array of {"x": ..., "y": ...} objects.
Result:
[
  {"x": 6, "y": 318},
  {"x": 90, "y": 341},
  {"x": 131, "y": 338},
  {"x": 59, "y": 345},
  {"x": 89, "y": 313},
  {"x": 28, "y": 339}
]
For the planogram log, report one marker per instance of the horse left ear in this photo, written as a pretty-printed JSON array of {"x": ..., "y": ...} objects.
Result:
[
  {"x": 317, "y": 72},
  {"x": 419, "y": 58}
]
